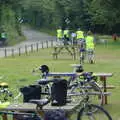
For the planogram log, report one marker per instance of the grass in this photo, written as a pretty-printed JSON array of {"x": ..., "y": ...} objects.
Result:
[{"x": 107, "y": 60}]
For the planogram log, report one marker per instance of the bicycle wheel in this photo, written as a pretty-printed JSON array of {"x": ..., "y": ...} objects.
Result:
[
  {"x": 91, "y": 89},
  {"x": 95, "y": 93},
  {"x": 75, "y": 93},
  {"x": 86, "y": 114}
]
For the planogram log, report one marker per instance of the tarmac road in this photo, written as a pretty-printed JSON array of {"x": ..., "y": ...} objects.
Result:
[{"x": 32, "y": 37}]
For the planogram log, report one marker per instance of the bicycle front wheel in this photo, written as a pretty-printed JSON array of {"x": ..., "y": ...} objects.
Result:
[{"x": 86, "y": 113}]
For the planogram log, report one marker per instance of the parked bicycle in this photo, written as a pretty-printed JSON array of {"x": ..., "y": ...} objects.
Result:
[
  {"x": 84, "y": 110},
  {"x": 76, "y": 83},
  {"x": 5, "y": 93}
]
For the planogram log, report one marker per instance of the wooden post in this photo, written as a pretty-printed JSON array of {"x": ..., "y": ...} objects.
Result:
[
  {"x": 51, "y": 43},
  {"x": 5, "y": 52},
  {"x": 12, "y": 52},
  {"x": 55, "y": 53},
  {"x": 31, "y": 47},
  {"x": 103, "y": 79},
  {"x": 26, "y": 49},
  {"x": 19, "y": 51},
  {"x": 37, "y": 47},
  {"x": 46, "y": 43},
  {"x": 42, "y": 44}
]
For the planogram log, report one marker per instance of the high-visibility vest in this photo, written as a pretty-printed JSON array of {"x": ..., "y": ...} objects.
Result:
[
  {"x": 89, "y": 42},
  {"x": 59, "y": 33},
  {"x": 79, "y": 34},
  {"x": 66, "y": 33}
]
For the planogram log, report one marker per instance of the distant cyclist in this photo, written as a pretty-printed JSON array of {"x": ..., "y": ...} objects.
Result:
[
  {"x": 81, "y": 44},
  {"x": 66, "y": 34},
  {"x": 60, "y": 35},
  {"x": 90, "y": 47}
]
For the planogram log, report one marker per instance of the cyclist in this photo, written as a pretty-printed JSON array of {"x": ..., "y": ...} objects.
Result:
[
  {"x": 66, "y": 34},
  {"x": 81, "y": 44},
  {"x": 90, "y": 47},
  {"x": 59, "y": 35}
]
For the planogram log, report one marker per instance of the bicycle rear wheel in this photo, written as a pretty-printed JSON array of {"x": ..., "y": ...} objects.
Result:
[
  {"x": 95, "y": 93},
  {"x": 86, "y": 114}
]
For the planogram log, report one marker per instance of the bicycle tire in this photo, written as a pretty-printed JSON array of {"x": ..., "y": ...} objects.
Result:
[
  {"x": 95, "y": 93},
  {"x": 100, "y": 114}
]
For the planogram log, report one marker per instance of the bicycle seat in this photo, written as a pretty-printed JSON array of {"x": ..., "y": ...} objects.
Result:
[
  {"x": 40, "y": 103},
  {"x": 44, "y": 81}
]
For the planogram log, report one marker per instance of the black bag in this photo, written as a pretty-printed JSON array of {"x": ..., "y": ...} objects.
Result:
[
  {"x": 59, "y": 92},
  {"x": 31, "y": 92}
]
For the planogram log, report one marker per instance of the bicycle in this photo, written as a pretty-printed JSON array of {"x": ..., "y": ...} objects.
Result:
[
  {"x": 5, "y": 93},
  {"x": 84, "y": 110},
  {"x": 87, "y": 85},
  {"x": 74, "y": 84}
]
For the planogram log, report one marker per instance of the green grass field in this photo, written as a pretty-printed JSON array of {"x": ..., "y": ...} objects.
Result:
[{"x": 107, "y": 60}]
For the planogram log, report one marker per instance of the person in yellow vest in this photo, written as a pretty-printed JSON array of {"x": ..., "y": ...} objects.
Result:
[
  {"x": 79, "y": 36},
  {"x": 59, "y": 35},
  {"x": 90, "y": 47},
  {"x": 66, "y": 34}
]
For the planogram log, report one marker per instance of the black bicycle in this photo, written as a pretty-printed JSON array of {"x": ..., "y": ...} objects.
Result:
[{"x": 84, "y": 109}]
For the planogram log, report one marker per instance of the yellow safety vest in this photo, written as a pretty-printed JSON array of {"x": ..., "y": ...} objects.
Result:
[
  {"x": 59, "y": 33},
  {"x": 79, "y": 34},
  {"x": 66, "y": 32},
  {"x": 89, "y": 42}
]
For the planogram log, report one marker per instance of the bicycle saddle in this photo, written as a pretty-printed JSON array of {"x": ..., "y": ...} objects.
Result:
[
  {"x": 44, "y": 81},
  {"x": 40, "y": 103}
]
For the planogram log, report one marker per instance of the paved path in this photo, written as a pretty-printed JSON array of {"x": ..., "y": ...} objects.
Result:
[{"x": 32, "y": 37}]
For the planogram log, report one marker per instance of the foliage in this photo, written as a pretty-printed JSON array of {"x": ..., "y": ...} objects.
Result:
[
  {"x": 107, "y": 60},
  {"x": 100, "y": 15},
  {"x": 10, "y": 13}
]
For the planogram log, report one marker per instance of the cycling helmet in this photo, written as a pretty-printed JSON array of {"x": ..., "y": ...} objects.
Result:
[
  {"x": 44, "y": 69},
  {"x": 79, "y": 69}
]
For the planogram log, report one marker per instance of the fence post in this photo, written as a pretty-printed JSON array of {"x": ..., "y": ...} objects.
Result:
[
  {"x": 46, "y": 43},
  {"x": 5, "y": 52},
  {"x": 37, "y": 47},
  {"x": 26, "y": 52},
  {"x": 12, "y": 52},
  {"x": 51, "y": 43},
  {"x": 42, "y": 45},
  {"x": 31, "y": 47},
  {"x": 19, "y": 51}
]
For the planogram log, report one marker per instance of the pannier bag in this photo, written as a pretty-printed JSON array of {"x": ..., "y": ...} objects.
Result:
[
  {"x": 31, "y": 92},
  {"x": 59, "y": 92}
]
